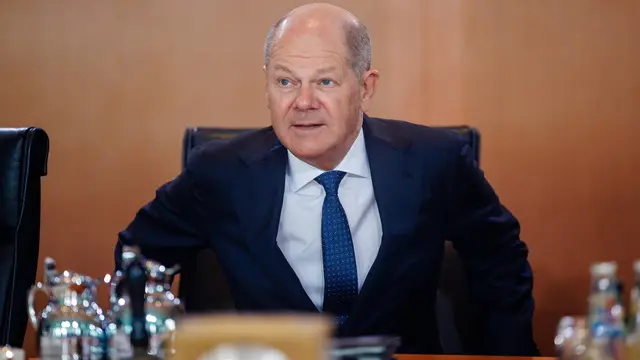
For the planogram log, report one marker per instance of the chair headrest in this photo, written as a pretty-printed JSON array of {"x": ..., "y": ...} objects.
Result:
[{"x": 23, "y": 156}]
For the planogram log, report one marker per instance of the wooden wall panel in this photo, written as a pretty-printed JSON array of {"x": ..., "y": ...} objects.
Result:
[{"x": 553, "y": 86}]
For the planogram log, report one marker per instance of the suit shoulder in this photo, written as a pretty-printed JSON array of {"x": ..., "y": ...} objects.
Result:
[
  {"x": 425, "y": 137},
  {"x": 225, "y": 152}
]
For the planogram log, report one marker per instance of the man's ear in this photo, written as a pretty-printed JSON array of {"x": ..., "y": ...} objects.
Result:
[
  {"x": 266, "y": 86},
  {"x": 368, "y": 88}
]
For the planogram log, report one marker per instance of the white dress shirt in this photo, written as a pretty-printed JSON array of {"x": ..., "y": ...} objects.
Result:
[{"x": 299, "y": 232}]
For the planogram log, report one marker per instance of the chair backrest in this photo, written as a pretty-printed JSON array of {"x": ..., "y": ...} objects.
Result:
[
  {"x": 23, "y": 161},
  {"x": 203, "y": 287}
]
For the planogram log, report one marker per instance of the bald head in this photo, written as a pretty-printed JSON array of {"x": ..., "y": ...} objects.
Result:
[{"x": 324, "y": 20}]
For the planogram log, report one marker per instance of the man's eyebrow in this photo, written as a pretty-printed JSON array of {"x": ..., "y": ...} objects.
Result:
[
  {"x": 326, "y": 70},
  {"x": 321, "y": 71},
  {"x": 282, "y": 68}
]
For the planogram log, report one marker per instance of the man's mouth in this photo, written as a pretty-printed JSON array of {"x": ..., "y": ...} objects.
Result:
[{"x": 307, "y": 126}]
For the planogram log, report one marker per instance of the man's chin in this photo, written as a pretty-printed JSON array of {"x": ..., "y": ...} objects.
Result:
[{"x": 308, "y": 154}]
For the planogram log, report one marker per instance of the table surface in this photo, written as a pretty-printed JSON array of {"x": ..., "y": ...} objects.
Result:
[
  {"x": 458, "y": 357},
  {"x": 468, "y": 357}
]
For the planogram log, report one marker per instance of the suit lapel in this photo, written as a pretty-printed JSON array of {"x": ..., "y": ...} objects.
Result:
[
  {"x": 396, "y": 185},
  {"x": 267, "y": 163}
]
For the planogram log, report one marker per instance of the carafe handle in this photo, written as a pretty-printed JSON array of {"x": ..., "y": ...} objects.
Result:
[{"x": 33, "y": 316}]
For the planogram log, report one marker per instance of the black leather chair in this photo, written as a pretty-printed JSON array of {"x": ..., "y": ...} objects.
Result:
[
  {"x": 23, "y": 161},
  {"x": 203, "y": 287}
]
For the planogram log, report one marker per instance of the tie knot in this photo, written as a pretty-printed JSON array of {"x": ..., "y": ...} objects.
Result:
[{"x": 330, "y": 181}]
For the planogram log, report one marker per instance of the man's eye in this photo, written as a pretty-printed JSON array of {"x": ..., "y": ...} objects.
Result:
[
  {"x": 326, "y": 82},
  {"x": 284, "y": 82}
]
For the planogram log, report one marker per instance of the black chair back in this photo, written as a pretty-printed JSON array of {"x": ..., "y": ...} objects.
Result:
[
  {"x": 23, "y": 161},
  {"x": 203, "y": 287}
]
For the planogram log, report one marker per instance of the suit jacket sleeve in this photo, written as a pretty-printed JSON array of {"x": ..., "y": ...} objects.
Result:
[
  {"x": 167, "y": 228},
  {"x": 487, "y": 237}
]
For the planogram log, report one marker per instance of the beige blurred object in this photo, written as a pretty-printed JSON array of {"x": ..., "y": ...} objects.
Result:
[
  {"x": 253, "y": 337},
  {"x": 9, "y": 353}
]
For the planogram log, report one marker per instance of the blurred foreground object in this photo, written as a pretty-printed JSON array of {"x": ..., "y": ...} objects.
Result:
[
  {"x": 571, "y": 337},
  {"x": 365, "y": 348},
  {"x": 608, "y": 331},
  {"x": 9, "y": 353},
  {"x": 71, "y": 325},
  {"x": 141, "y": 294},
  {"x": 259, "y": 337}
]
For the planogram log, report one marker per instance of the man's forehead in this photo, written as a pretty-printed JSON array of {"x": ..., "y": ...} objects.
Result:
[
  {"x": 313, "y": 59},
  {"x": 309, "y": 45},
  {"x": 327, "y": 37}
]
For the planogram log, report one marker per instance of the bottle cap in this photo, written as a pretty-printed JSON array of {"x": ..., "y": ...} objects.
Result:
[{"x": 609, "y": 268}]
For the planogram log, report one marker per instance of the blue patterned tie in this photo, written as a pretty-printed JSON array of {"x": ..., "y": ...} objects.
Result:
[{"x": 340, "y": 272}]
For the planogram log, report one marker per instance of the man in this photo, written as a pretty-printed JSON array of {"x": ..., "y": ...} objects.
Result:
[{"x": 331, "y": 210}]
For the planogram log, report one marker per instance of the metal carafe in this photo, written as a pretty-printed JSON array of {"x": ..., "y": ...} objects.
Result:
[
  {"x": 71, "y": 325},
  {"x": 161, "y": 308}
]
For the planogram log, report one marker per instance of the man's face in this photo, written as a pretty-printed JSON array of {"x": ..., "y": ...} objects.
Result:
[{"x": 314, "y": 96}]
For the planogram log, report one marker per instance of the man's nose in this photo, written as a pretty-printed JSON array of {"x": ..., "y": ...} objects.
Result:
[{"x": 306, "y": 99}]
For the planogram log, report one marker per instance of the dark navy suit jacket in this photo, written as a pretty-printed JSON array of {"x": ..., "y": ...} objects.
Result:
[{"x": 428, "y": 188}]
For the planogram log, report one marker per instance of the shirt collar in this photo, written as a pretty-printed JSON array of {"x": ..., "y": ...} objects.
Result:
[{"x": 355, "y": 163}]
